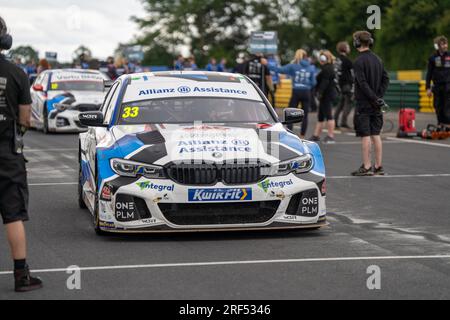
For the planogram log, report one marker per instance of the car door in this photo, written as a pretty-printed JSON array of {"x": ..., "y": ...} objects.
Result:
[
  {"x": 38, "y": 99},
  {"x": 94, "y": 132}
]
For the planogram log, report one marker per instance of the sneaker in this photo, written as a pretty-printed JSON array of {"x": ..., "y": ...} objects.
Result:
[
  {"x": 314, "y": 139},
  {"x": 24, "y": 282},
  {"x": 379, "y": 171},
  {"x": 363, "y": 172},
  {"x": 329, "y": 140}
]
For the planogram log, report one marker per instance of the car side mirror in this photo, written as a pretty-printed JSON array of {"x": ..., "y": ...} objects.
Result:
[
  {"x": 108, "y": 84},
  {"x": 92, "y": 119},
  {"x": 38, "y": 87},
  {"x": 292, "y": 115}
]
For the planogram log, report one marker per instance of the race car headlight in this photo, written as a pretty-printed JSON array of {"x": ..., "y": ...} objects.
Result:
[
  {"x": 61, "y": 107},
  {"x": 133, "y": 169},
  {"x": 298, "y": 165}
]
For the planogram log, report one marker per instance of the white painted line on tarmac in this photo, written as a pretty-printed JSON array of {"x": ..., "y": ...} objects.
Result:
[
  {"x": 359, "y": 143},
  {"x": 52, "y": 184},
  {"x": 48, "y": 150},
  {"x": 421, "y": 142},
  {"x": 235, "y": 263},
  {"x": 399, "y": 176}
]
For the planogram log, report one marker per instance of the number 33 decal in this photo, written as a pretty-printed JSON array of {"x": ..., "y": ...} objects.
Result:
[{"x": 130, "y": 112}]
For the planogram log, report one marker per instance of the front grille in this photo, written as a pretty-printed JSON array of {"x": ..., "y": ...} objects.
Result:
[
  {"x": 209, "y": 174},
  {"x": 219, "y": 213},
  {"x": 87, "y": 107}
]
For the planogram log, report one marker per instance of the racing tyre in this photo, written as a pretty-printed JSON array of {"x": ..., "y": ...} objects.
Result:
[
  {"x": 81, "y": 202},
  {"x": 97, "y": 229},
  {"x": 45, "y": 122}
]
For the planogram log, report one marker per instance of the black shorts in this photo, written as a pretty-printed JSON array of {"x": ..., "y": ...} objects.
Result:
[
  {"x": 13, "y": 185},
  {"x": 326, "y": 109},
  {"x": 368, "y": 121}
]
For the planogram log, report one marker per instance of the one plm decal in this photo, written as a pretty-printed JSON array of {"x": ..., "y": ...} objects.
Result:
[{"x": 220, "y": 195}]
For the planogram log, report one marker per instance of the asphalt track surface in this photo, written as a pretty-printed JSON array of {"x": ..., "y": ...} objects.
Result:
[{"x": 400, "y": 223}]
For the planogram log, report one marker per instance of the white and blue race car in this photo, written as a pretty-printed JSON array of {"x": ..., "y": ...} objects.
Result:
[
  {"x": 196, "y": 151},
  {"x": 60, "y": 95}
]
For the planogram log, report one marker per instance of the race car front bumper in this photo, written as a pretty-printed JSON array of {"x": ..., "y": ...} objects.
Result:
[
  {"x": 65, "y": 121},
  {"x": 164, "y": 206}
]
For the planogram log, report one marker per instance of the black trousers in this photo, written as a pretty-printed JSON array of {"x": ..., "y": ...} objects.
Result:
[
  {"x": 303, "y": 97},
  {"x": 345, "y": 106},
  {"x": 442, "y": 104}
]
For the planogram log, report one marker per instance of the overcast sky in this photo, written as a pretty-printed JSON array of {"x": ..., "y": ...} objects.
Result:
[{"x": 62, "y": 25}]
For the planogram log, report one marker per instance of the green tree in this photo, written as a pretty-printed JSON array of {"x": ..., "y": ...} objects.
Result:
[
  {"x": 409, "y": 29},
  {"x": 25, "y": 53},
  {"x": 217, "y": 28},
  {"x": 334, "y": 21}
]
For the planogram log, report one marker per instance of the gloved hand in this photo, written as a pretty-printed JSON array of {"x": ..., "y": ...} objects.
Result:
[{"x": 381, "y": 105}]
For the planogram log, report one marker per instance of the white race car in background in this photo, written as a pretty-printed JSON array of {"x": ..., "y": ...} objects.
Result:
[
  {"x": 60, "y": 95},
  {"x": 183, "y": 151}
]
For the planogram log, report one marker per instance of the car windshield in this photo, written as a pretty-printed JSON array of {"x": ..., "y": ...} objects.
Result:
[
  {"x": 77, "y": 86},
  {"x": 189, "y": 110}
]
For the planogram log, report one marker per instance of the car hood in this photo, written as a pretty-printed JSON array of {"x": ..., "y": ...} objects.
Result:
[
  {"x": 81, "y": 97},
  {"x": 163, "y": 144}
]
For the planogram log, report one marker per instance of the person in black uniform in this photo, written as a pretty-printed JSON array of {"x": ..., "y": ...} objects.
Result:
[
  {"x": 15, "y": 111},
  {"x": 327, "y": 94},
  {"x": 371, "y": 83},
  {"x": 439, "y": 73},
  {"x": 344, "y": 73},
  {"x": 257, "y": 70}
]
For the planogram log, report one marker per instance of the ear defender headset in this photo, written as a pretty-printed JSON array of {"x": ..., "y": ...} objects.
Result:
[
  {"x": 357, "y": 42},
  {"x": 5, "y": 38}
]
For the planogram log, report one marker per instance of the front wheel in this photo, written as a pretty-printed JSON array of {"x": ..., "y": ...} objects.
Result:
[
  {"x": 81, "y": 202},
  {"x": 97, "y": 229},
  {"x": 45, "y": 122}
]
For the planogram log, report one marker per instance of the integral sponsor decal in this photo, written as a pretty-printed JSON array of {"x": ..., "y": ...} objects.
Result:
[
  {"x": 152, "y": 186},
  {"x": 217, "y": 195},
  {"x": 267, "y": 184},
  {"x": 192, "y": 146}
]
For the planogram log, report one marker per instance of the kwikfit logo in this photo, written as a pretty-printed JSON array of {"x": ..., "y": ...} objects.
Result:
[{"x": 205, "y": 195}]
